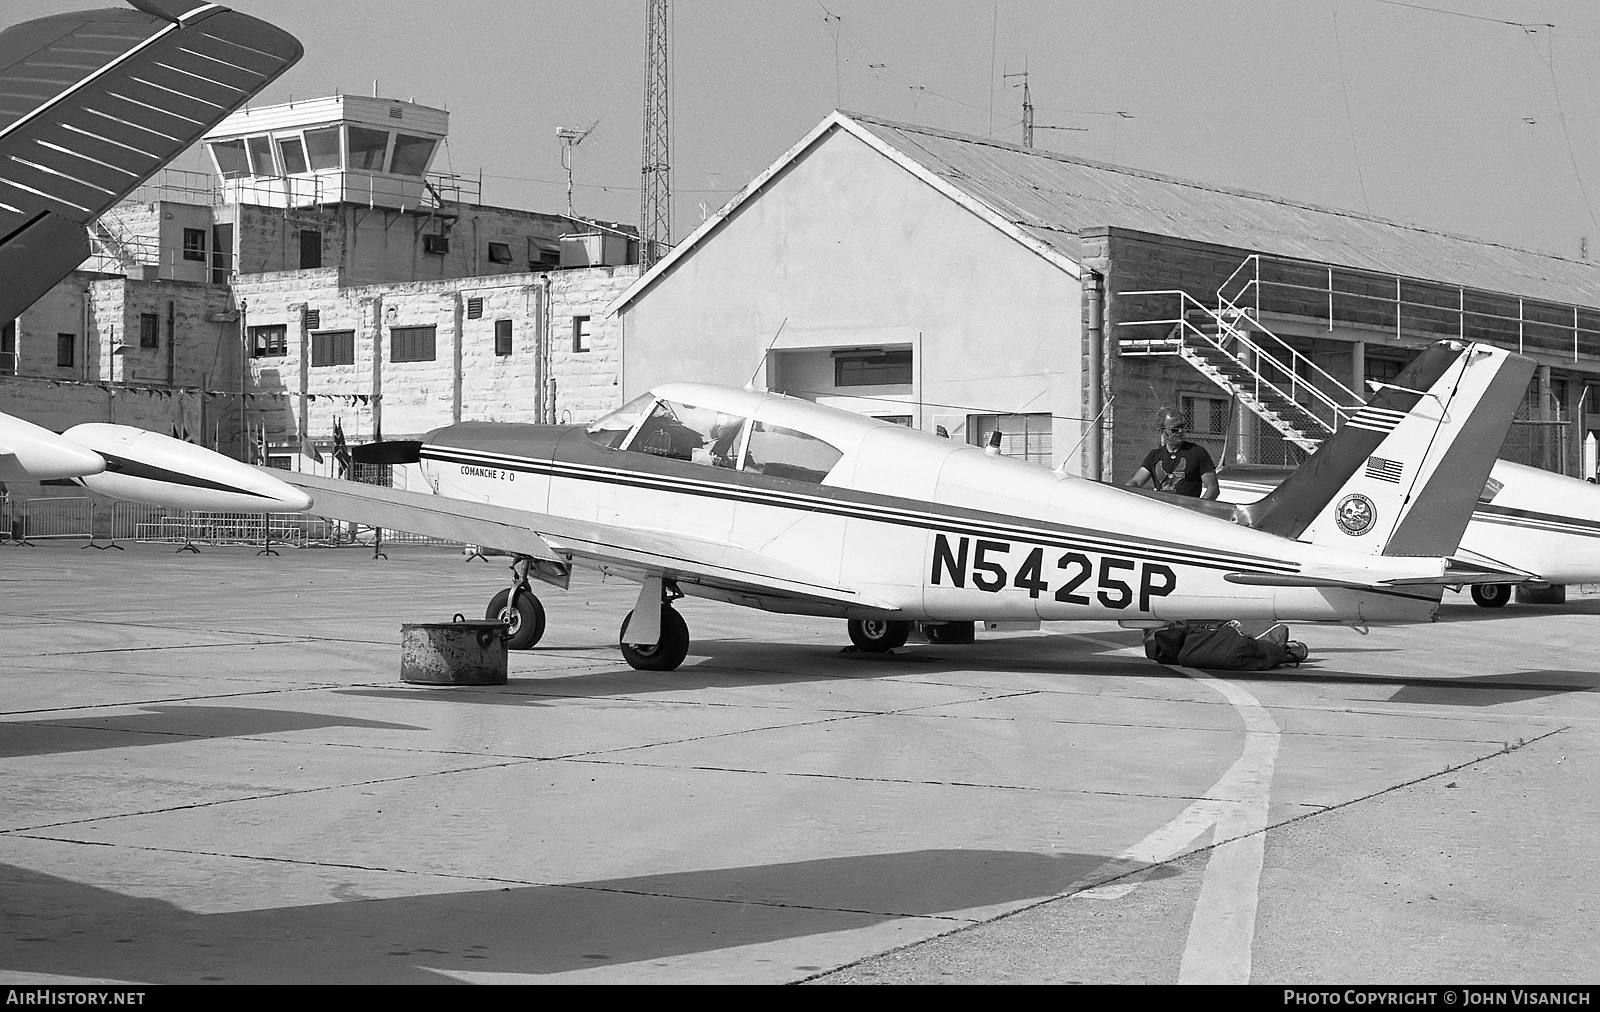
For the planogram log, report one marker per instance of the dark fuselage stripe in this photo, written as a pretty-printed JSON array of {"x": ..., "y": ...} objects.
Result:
[{"x": 977, "y": 526}]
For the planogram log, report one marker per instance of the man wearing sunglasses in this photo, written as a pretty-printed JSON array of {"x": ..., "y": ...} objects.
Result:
[{"x": 1177, "y": 465}]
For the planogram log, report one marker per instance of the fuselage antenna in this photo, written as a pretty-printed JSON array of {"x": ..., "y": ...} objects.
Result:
[{"x": 752, "y": 384}]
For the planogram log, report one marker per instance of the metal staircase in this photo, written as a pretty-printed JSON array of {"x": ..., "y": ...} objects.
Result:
[{"x": 1292, "y": 394}]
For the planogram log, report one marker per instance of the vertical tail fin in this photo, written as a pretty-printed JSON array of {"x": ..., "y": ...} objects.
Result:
[{"x": 1401, "y": 477}]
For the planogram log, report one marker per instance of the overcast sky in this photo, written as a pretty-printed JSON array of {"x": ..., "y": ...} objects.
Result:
[{"x": 1471, "y": 116}]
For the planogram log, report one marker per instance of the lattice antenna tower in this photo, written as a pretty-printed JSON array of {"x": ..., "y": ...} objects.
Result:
[{"x": 655, "y": 192}]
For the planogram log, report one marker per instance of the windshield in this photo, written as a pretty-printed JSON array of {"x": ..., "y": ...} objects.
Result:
[
  {"x": 610, "y": 430},
  {"x": 690, "y": 432}
]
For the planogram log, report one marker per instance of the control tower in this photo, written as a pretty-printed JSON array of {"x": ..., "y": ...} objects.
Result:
[{"x": 347, "y": 149}]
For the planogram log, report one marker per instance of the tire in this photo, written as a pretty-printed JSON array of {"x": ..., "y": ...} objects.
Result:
[
  {"x": 950, "y": 632},
  {"x": 1491, "y": 595},
  {"x": 667, "y": 653},
  {"x": 526, "y": 619},
  {"x": 878, "y": 635}
]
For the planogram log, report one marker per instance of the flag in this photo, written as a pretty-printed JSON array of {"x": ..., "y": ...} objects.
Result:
[
  {"x": 341, "y": 452},
  {"x": 309, "y": 449}
]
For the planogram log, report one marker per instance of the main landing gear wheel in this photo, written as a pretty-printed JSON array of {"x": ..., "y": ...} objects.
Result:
[
  {"x": 663, "y": 655},
  {"x": 526, "y": 618},
  {"x": 878, "y": 635},
  {"x": 1491, "y": 595}
]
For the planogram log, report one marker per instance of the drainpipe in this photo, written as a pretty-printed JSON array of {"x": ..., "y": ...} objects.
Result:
[
  {"x": 1094, "y": 389},
  {"x": 244, "y": 372},
  {"x": 172, "y": 330}
]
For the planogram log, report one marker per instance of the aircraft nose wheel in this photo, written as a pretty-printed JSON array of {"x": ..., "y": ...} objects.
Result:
[
  {"x": 878, "y": 635},
  {"x": 526, "y": 618},
  {"x": 1491, "y": 595},
  {"x": 666, "y": 653}
]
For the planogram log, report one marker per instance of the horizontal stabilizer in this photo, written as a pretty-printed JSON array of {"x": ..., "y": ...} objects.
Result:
[{"x": 93, "y": 103}]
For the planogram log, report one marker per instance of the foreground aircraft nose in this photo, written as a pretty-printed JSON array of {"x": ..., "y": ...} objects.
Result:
[
  {"x": 29, "y": 452},
  {"x": 151, "y": 468}
]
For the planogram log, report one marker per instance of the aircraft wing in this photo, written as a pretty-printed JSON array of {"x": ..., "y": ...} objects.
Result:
[
  {"x": 94, "y": 103},
  {"x": 713, "y": 564}
]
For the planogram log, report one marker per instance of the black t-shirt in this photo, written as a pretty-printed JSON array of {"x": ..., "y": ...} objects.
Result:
[{"x": 1179, "y": 471}]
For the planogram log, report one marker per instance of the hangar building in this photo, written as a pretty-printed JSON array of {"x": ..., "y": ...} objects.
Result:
[{"x": 964, "y": 283}]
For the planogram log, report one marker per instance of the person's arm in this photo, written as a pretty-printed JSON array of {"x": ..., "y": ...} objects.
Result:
[
  {"x": 1140, "y": 479},
  {"x": 1209, "y": 489}
]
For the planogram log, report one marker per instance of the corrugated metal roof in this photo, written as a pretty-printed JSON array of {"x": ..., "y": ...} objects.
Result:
[{"x": 1055, "y": 197}]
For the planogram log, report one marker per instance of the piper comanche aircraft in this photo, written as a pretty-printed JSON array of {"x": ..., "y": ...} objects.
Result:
[
  {"x": 1526, "y": 519},
  {"x": 777, "y": 503}
]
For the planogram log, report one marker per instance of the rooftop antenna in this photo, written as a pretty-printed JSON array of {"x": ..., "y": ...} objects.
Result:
[
  {"x": 570, "y": 138},
  {"x": 1028, "y": 126}
]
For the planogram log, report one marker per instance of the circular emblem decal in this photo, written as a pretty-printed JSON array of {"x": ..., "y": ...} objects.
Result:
[{"x": 1355, "y": 515}]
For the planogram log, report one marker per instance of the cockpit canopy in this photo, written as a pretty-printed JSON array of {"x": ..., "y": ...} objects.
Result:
[{"x": 678, "y": 430}]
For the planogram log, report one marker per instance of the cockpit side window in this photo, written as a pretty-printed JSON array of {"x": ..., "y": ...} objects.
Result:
[
  {"x": 689, "y": 432},
  {"x": 610, "y": 430},
  {"x": 789, "y": 453}
]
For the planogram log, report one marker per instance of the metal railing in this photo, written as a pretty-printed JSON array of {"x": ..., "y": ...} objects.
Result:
[
  {"x": 53, "y": 517},
  {"x": 1289, "y": 383},
  {"x": 1392, "y": 302}
]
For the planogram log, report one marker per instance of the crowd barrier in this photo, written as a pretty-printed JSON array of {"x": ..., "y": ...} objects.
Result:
[{"x": 62, "y": 517}]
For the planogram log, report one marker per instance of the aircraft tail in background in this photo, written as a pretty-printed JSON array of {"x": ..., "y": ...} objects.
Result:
[{"x": 1401, "y": 477}]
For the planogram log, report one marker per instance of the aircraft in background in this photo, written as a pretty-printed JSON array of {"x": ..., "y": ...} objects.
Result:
[
  {"x": 784, "y": 505},
  {"x": 1526, "y": 519},
  {"x": 125, "y": 462}
]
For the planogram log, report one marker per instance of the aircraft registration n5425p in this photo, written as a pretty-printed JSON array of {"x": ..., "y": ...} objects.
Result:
[{"x": 777, "y": 503}]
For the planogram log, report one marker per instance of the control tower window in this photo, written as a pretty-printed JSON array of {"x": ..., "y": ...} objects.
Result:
[
  {"x": 293, "y": 154},
  {"x": 261, "y": 160},
  {"x": 411, "y": 155},
  {"x": 322, "y": 147},
  {"x": 367, "y": 148}
]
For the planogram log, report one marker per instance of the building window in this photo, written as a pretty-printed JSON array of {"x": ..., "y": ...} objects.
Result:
[
  {"x": 871, "y": 368},
  {"x": 474, "y": 309},
  {"x": 66, "y": 346},
  {"x": 310, "y": 248},
  {"x": 438, "y": 244},
  {"x": 333, "y": 347},
  {"x": 1027, "y": 437},
  {"x": 149, "y": 330},
  {"x": 313, "y": 319},
  {"x": 8, "y": 348},
  {"x": 411, "y": 344},
  {"x": 269, "y": 341},
  {"x": 1207, "y": 416},
  {"x": 547, "y": 258},
  {"x": 502, "y": 337},
  {"x": 580, "y": 333},
  {"x": 194, "y": 244},
  {"x": 499, "y": 252}
]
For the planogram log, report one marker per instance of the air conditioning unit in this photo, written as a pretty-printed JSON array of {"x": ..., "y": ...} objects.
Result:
[{"x": 436, "y": 244}]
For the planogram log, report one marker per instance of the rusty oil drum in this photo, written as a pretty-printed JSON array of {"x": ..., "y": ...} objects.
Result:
[{"x": 453, "y": 653}]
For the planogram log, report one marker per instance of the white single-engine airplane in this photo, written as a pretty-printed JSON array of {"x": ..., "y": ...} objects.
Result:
[
  {"x": 1526, "y": 519},
  {"x": 777, "y": 503}
]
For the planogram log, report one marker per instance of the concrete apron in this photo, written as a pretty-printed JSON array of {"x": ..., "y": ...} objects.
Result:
[{"x": 267, "y": 802}]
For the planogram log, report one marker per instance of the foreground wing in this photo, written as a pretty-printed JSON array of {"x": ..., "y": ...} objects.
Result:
[
  {"x": 93, "y": 103},
  {"x": 718, "y": 566}
]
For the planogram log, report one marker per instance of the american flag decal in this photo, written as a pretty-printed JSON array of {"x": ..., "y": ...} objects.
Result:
[{"x": 1384, "y": 470}]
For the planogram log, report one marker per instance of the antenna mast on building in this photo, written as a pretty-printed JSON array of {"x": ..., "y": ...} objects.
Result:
[
  {"x": 570, "y": 138},
  {"x": 1027, "y": 107},
  {"x": 655, "y": 193}
]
